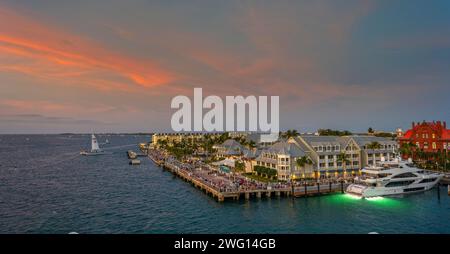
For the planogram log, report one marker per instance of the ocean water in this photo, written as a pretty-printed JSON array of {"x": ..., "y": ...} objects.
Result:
[{"x": 46, "y": 187}]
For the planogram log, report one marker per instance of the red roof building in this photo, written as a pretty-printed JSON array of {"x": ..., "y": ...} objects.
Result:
[{"x": 428, "y": 136}]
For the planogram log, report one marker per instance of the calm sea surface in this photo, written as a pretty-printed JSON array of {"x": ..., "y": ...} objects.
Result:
[{"x": 46, "y": 187}]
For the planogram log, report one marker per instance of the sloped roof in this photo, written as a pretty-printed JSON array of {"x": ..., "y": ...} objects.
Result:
[
  {"x": 232, "y": 147},
  {"x": 364, "y": 140},
  {"x": 286, "y": 148},
  {"x": 407, "y": 135},
  {"x": 314, "y": 140}
]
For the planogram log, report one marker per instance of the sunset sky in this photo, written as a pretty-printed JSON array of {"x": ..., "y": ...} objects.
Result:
[{"x": 114, "y": 66}]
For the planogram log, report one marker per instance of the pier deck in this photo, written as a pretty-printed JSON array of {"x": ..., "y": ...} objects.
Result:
[{"x": 299, "y": 191}]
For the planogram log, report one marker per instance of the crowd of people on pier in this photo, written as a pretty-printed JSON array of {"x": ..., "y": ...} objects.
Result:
[{"x": 229, "y": 182}]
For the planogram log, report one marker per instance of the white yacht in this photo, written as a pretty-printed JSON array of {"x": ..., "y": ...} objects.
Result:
[
  {"x": 95, "y": 148},
  {"x": 393, "y": 178}
]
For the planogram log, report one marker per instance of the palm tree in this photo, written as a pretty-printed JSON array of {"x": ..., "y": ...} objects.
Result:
[
  {"x": 408, "y": 149},
  {"x": 344, "y": 159},
  {"x": 374, "y": 145},
  {"x": 290, "y": 134},
  {"x": 162, "y": 143},
  {"x": 302, "y": 162}
]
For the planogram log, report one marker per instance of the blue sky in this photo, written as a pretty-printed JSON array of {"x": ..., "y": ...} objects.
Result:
[{"x": 81, "y": 66}]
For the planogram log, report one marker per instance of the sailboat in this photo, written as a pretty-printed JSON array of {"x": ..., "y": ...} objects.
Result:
[{"x": 95, "y": 148}]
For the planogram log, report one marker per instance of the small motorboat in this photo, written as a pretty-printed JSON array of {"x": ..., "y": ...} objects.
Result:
[{"x": 135, "y": 162}]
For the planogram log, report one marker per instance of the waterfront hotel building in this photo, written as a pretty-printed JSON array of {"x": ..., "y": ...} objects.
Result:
[{"x": 323, "y": 151}]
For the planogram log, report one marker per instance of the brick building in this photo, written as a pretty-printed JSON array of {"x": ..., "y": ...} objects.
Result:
[{"x": 428, "y": 136}]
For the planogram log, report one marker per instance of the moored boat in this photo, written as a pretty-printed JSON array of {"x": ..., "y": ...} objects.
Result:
[{"x": 393, "y": 178}]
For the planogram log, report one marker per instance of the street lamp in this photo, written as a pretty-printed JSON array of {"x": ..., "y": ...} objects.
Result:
[{"x": 292, "y": 184}]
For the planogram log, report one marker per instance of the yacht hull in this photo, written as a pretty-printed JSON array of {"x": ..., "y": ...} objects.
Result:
[{"x": 367, "y": 192}]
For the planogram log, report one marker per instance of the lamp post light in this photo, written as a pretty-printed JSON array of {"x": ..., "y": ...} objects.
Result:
[{"x": 292, "y": 185}]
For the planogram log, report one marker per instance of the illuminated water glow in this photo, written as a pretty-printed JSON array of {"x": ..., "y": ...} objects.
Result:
[
  {"x": 374, "y": 198},
  {"x": 347, "y": 195},
  {"x": 388, "y": 202}
]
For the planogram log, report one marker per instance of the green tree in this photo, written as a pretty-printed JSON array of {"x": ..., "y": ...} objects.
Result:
[
  {"x": 290, "y": 134},
  {"x": 373, "y": 145},
  {"x": 408, "y": 149},
  {"x": 302, "y": 162},
  {"x": 329, "y": 132},
  {"x": 239, "y": 166},
  {"x": 344, "y": 159}
]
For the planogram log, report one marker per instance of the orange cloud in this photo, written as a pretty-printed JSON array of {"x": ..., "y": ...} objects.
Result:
[{"x": 44, "y": 51}]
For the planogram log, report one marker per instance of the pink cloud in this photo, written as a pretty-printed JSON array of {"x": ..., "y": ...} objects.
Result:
[{"x": 43, "y": 50}]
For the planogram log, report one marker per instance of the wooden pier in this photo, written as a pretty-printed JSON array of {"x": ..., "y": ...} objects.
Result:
[{"x": 300, "y": 191}]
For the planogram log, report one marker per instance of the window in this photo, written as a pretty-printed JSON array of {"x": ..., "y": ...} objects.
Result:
[
  {"x": 331, "y": 164},
  {"x": 322, "y": 157},
  {"x": 330, "y": 157},
  {"x": 339, "y": 164},
  {"x": 355, "y": 163},
  {"x": 418, "y": 144},
  {"x": 400, "y": 183},
  {"x": 433, "y": 136},
  {"x": 414, "y": 189},
  {"x": 434, "y": 145},
  {"x": 322, "y": 165},
  {"x": 354, "y": 155},
  {"x": 405, "y": 175},
  {"x": 429, "y": 180}
]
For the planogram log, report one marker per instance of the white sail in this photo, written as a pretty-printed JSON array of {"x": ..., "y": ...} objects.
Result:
[{"x": 94, "y": 144}]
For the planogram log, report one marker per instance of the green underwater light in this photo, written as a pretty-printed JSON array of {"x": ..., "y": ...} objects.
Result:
[{"x": 377, "y": 201}]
